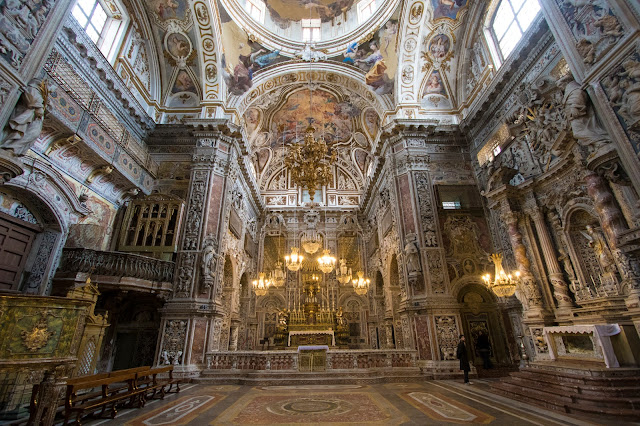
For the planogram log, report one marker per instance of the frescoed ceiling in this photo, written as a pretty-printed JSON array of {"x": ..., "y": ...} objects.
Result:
[
  {"x": 411, "y": 59},
  {"x": 296, "y": 10}
]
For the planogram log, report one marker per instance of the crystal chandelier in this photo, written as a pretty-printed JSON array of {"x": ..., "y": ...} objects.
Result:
[
  {"x": 310, "y": 162},
  {"x": 294, "y": 261},
  {"x": 361, "y": 284},
  {"x": 326, "y": 261},
  {"x": 278, "y": 275},
  {"x": 311, "y": 241},
  {"x": 504, "y": 284},
  {"x": 261, "y": 285},
  {"x": 343, "y": 273}
]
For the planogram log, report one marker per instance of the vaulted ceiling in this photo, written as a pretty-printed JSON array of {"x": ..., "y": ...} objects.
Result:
[{"x": 410, "y": 59}]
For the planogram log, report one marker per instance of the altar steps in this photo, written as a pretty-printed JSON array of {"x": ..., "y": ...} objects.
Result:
[
  {"x": 581, "y": 390},
  {"x": 292, "y": 377}
]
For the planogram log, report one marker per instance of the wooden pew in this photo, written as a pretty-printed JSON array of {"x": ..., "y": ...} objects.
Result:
[
  {"x": 111, "y": 393},
  {"x": 104, "y": 391},
  {"x": 84, "y": 388},
  {"x": 159, "y": 383}
]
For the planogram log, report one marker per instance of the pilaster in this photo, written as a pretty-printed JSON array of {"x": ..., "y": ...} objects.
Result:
[{"x": 193, "y": 317}]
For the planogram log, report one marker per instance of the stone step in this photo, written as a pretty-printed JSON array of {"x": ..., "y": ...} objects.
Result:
[
  {"x": 555, "y": 397},
  {"x": 620, "y": 391},
  {"x": 608, "y": 401},
  {"x": 617, "y": 413},
  {"x": 291, "y": 377},
  {"x": 568, "y": 378},
  {"x": 543, "y": 384},
  {"x": 546, "y": 403}
]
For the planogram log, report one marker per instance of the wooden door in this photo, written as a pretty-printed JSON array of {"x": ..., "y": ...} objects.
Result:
[{"x": 16, "y": 238}]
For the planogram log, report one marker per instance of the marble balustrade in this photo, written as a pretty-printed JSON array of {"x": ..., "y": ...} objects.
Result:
[{"x": 288, "y": 360}]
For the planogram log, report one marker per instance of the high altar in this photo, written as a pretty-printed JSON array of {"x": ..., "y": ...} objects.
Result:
[{"x": 313, "y": 323}]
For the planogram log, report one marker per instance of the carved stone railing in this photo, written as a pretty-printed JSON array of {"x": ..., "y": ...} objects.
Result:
[
  {"x": 116, "y": 264},
  {"x": 337, "y": 359}
]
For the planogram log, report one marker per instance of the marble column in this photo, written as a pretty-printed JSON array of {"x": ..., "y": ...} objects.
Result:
[
  {"x": 560, "y": 287},
  {"x": 531, "y": 289},
  {"x": 610, "y": 215},
  {"x": 233, "y": 336},
  {"x": 389, "y": 334},
  {"x": 613, "y": 224}
]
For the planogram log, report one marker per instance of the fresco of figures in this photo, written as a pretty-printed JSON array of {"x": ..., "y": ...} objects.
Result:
[
  {"x": 447, "y": 8},
  {"x": 242, "y": 58},
  {"x": 377, "y": 57},
  {"x": 283, "y": 12}
]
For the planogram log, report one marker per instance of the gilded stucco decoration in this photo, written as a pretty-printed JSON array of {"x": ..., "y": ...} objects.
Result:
[{"x": 39, "y": 335}]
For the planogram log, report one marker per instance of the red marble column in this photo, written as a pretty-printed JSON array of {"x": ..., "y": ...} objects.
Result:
[{"x": 531, "y": 289}]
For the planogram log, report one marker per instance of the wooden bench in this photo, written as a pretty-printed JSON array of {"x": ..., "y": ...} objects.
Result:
[
  {"x": 162, "y": 382},
  {"x": 104, "y": 391},
  {"x": 111, "y": 393}
]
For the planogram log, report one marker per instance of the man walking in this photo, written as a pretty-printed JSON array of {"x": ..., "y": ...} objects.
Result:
[{"x": 461, "y": 354}]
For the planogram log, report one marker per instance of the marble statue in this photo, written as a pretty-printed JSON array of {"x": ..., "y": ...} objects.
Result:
[
  {"x": 208, "y": 261},
  {"x": 582, "y": 118},
  {"x": 601, "y": 249},
  {"x": 412, "y": 255},
  {"x": 26, "y": 120},
  {"x": 340, "y": 319}
]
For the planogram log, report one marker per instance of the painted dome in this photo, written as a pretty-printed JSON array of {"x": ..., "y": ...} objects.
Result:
[{"x": 280, "y": 24}]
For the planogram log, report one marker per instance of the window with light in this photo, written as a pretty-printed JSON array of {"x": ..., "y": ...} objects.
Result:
[
  {"x": 511, "y": 21},
  {"x": 255, "y": 9},
  {"x": 366, "y": 9},
  {"x": 310, "y": 30},
  {"x": 92, "y": 16}
]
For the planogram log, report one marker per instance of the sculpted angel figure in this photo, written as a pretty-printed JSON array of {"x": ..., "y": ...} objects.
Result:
[{"x": 26, "y": 120}]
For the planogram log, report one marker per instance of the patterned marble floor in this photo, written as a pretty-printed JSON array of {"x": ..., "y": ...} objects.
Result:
[{"x": 432, "y": 402}]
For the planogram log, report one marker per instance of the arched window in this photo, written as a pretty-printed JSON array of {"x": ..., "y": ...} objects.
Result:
[
  {"x": 366, "y": 9},
  {"x": 105, "y": 27},
  {"x": 256, "y": 9},
  {"x": 511, "y": 21}
]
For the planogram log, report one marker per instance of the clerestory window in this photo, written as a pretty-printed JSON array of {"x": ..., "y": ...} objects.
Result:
[
  {"x": 256, "y": 9},
  {"x": 366, "y": 9},
  {"x": 511, "y": 21},
  {"x": 92, "y": 16},
  {"x": 105, "y": 27},
  {"x": 310, "y": 30}
]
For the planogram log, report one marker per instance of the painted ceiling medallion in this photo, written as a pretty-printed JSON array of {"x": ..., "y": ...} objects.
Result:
[{"x": 179, "y": 48}]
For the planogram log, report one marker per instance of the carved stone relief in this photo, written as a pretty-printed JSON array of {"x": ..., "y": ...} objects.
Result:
[
  {"x": 425, "y": 207},
  {"x": 196, "y": 208},
  {"x": 436, "y": 271},
  {"x": 622, "y": 87},
  {"x": 447, "y": 334},
  {"x": 594, "y": 25},
  {"x": 173, "y": 341}
]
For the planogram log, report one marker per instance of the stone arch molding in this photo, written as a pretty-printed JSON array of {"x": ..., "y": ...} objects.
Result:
[
  {"x": 49, "y": 186},
  {"x": 461, "y": 283},
  {"x": 267, "y": 83},
  {"x": 41, "y": 185}
]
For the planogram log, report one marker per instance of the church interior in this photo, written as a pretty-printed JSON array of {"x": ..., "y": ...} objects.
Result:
[{"x": 293, "y": 210}]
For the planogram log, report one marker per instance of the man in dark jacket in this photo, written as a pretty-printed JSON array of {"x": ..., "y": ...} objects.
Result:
[{"x": 461, "y": 354}]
